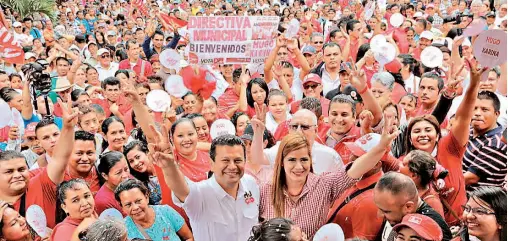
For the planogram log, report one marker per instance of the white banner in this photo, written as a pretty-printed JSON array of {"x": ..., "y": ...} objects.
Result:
[{"x": 231, "y": 40}]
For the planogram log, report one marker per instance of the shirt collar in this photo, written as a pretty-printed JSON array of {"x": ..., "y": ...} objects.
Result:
[{"x": 220, "y": 191}]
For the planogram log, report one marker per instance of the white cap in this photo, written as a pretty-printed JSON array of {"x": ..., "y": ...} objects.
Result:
[
  {"x": 466, "y": 42},
  {"x": 418, "y": 15},
  {"x": 16, "y": 24},
  {"x": 427, "y": 34},
  {"x": 102, "y": 51}
]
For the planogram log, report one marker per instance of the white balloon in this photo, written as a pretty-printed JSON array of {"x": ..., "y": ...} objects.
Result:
[
  {"x": 222, "y": 127},
  {"x": 329, "y": 232},
  {"x": 396, "y": 20},
  {"x": 175, "y": 87},
  {"x": 5, "y": 119},
  {"x": 158, "y": 100},
  {"x": 36, "y": 218},
  {"x": 111, "y": 213},
  {"x": 432, "y": 57}
]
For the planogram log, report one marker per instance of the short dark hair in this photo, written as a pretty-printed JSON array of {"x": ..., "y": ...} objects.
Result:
[
  {"x": 84, "y": 136},
  {"x": 236, "y": 75},
  {"x": 226, "y": 140},
  {"x": 341, "y": 98},
  {"x": 489, "y": 95},
  {"x": 422, "y": 164},
  {"x": 350, "y": 25},
  {"x": 430, "y": 75},
  {"x": 312, "y": 104},
  {"x": 108, "y": 121},
  {"x": 111, "y": 81},
  {"x": 158, "y": 32},
  {"x": 129, "y": 184},
  {"x": 131, "y": 41},
  {"x": 397, "y": 183},
  {"x": 66, "y": 185},
  {"x": 43, "y": 123},
  {"x": 62, "y": 59},
  {"x": 107, "y": 161}
]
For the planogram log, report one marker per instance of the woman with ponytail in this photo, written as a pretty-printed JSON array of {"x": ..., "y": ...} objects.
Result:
[{"x": 426, "y": 174}]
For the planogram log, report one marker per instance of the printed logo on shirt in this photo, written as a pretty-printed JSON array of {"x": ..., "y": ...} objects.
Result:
[{"x": 248, "y": 197}]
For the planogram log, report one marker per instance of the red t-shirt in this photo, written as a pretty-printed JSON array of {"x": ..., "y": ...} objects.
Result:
[
  {"x": 123, "y": 105},
  {"x": 92, "y": 179},
  {"x": 196, "y": 170},
  {"x": 64, "y": 230},
  {"x": 42, "y": 192},
  {"x": 105, "y": 199},
  {"x": 227, "y": 100},
  {"x": 340, "y": 147},
  {"x": 449, "y": 155}
]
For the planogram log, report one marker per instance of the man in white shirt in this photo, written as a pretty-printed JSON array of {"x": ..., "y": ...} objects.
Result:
[
  {"x": 19, "y": 36},
  {"x": 224, "y": 207},
  {"x": 324, "y": 158},
  {"x": 106, "y": 67}
]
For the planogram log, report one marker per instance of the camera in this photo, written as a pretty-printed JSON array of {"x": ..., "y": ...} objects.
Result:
[
  {"x": 454, "y": 19},
  {"x": 34, "y": 73}
]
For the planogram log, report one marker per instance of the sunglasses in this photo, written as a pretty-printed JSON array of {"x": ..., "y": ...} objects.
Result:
[
  {"x": 105, "y": 56},
  {"x": 310, "y": 86},
  {"x": 303, "y": 127},
  {"x": 318, "y": 42}
]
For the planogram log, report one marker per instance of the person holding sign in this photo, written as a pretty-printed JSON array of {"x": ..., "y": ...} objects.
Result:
[{"x": 20, "y": 230}]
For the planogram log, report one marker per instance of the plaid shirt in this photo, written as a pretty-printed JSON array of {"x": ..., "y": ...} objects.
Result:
[{"x": 310, "y": 211}]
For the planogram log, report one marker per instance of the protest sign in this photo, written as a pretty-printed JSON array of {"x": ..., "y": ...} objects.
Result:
[
  {"x": 331, "y": 231},
  {"x": 170, "y": 59},
  {"x": 292, "y": 29},
  {"x": 490, "y": 48},
  {"x": 174, "y": 86},
  {"x": 10, "y": 49},
  {"x": 432, "y": 57},
  {"x": 232, "y": 40},
  {"x": 475, "y": 28},
  {"x": 36, "y": 218},
  {"x": 369, "y": 9},
  {"x": 158, "y": 100}
]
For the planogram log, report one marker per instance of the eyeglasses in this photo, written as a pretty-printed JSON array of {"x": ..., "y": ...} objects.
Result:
[
  {"x": 105, "y": 56},
  {"x": 310, "y": 86},
  {"x": 302, "y": 126},
  {"x": 477, "y": 211},
  {"x": 318, "y": 42}
]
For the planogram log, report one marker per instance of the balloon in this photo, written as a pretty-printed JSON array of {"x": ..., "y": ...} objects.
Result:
[
  {"x": 5, "y": 119},
  {"x": 158, "y": 100},
  {"x": 175, "y": 87},
  {"x": 170, "y": 59},
  {"x": 222, "y": 127},
  {"x": 432, "y": 57},
  {"x": 112, "y": 214},
  {"x": 329, "y": 232},
  {"x": 36, "y": 218}
]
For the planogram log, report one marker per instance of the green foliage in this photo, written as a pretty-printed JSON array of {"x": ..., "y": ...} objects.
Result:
[{"x": 26, "y": 8}]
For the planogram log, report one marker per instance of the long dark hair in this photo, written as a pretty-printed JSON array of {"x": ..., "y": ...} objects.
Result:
[
  {"x": 256, "y": 81},
  {"x": 428, "y": 118},
  {"x": 140, "y": 146},
  {"x": 495, "y": 197},
  {"x": 107, "y": 161}
]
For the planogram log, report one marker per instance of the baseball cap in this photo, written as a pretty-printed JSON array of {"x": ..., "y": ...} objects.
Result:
[
  {"x": 102, "y": 51},
  {"x": 424, "y": 226},
  {"x": 490, "y": 14},
  {"x": 312, "y": 78},
  {"x": 30, "y": 129},
  {"x": 418, "y": 15},
  {"x": 111, "y": 33},
  {"x": 16, "y": 24},
  {"x": 466, "y": 42},
  {"x": 364, "y": 144},
  {"x": 29, "y": 55},
  {"x": 309, "y": 50},
  {"x": 248, "y": 133},
  {"x": 352, "y": 92},
  {"x": 427, "y": 34},
  {"x": 430, "y": 6}
]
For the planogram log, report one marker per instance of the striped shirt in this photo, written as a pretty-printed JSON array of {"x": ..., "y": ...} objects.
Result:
[
  {"x": 227, "y": 100},
  {"x": 486, "y": 157}
]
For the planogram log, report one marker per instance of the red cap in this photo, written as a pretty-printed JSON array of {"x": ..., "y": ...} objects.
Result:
[
  {"x": 30, "y": 129},
  {"x": 312, "y": 78},
  {"x": 424, "y": 226}
]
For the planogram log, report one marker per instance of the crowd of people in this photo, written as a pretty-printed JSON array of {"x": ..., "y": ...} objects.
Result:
[{"x": 325, "y": 131}]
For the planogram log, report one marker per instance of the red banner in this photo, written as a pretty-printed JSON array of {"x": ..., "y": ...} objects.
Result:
[
  {"x": 140, "y": 6},
  {"x": 173, "y": 20},
  {"x": 10, "y": 49}
]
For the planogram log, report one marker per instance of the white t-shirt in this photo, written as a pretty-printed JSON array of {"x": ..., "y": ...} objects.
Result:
[
  {"x": 324, "y": 159},
  {"x": 214, "y": 215}
]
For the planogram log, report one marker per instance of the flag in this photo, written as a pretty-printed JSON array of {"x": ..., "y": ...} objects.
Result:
[
  {"x": 10, "y": 49},
  {"x": 171, "y": 20},
  {"x": 140, "y": 6}
]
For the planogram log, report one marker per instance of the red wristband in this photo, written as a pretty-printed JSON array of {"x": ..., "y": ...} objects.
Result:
[{"x": 364, "y": 90}]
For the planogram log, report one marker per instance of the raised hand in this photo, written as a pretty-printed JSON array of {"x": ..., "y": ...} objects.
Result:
[
  {"x": 69, "y": 114},
  {"x": 162, "y": 151},
  {"x": 257, "y": 126},
  {"x": 13, "y": 133},
  {"x": 358, "y": 78},
  {"x": 292, "y": 44},
  {"x": 131, "y": 94},
  {"x": 260, "y": 112},
  {"x": 366, "y": 118},
  {"x": 390, "y": 132}
]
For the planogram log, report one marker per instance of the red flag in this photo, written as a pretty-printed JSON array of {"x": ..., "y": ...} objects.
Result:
[
  {"x": 10, "y": 49},
  {"x": 140, "y": 6},
  {"x": 171, "y": 20}
]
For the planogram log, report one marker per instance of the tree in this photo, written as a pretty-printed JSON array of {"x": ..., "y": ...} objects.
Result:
[{"x": 27, "y": 8}]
